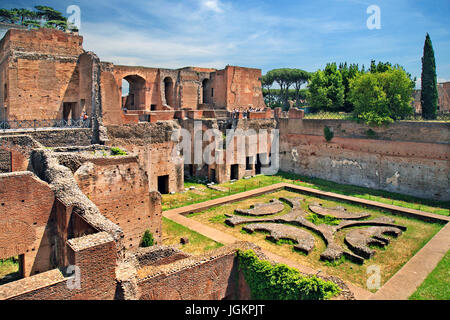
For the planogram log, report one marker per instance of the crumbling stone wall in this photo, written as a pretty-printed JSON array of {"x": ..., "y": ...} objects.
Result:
[
  {"x": 409, "y": 158},
  {"x": 53, "y": 137},
  {"x": 119, "y": 188},
  {"x": 151, "y": 142},
  {"x": 15, "y": 152},
  {"x": 211, "y": 276},
  {"x": 95, "y": 257},
  {"x": 60, "y": 178},
  {"x": 252, "y": 147},
  {"x": 41, "y": 73}
]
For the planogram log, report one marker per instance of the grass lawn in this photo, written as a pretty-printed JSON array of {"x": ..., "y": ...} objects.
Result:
[
  {"x": 9, "y": 270},
  {"x": 390, "y": 259},
  {"x": 202, "y": 193},
  {"x": 172, "y": 232},
  {"x": 437, "y": 285}
]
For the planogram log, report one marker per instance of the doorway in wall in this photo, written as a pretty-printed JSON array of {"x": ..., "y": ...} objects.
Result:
[
  {"x": 168, "y": 91},
  {"x": 70, "y": 111},
  {"x": 248, "y": 163},
  {"x": 212, "y": 175},
  {"x": 234, "y": 172},
  {"x": 163, "y": 184},
  {"x": 258, "y": 164}
]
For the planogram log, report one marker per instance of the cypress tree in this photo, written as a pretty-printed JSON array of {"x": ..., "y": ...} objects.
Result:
[{"x": 429, "y": 93}]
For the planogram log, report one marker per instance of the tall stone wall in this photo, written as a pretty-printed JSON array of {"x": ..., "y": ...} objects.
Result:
[
  {"x": 94, "y": 255},
  {"x": 151, "y": 142},
  {"x": 27, "y": 225},
  {"x": 409, "y": 158},
  {"x": 39, "y": 72},
  {"x": 119, "y": 189},
  {"x": 243, "y": 88}
]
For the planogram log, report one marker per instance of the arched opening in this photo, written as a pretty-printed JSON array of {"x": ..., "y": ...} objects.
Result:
[
  {"x": 133, "y": 93},
  {"x": 205, "y": 87},
  {"x": 168, "y": 91}
]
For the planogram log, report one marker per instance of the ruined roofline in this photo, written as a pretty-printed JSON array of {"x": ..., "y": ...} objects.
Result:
[
  {"x": 189, "y": 68},
  {"x": 193, "y": 69},
  {"x": 28, "y": 36}
]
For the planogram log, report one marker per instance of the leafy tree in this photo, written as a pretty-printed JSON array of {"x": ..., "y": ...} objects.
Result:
[
  {"x": 284, "y": 79},
  {"x": 43, "y": 16},
  {"x": 56, "y": 24},
  {"x": 49, "y": 14},
  {"x": 429, "y": 93},
  {"x": 24, "y": 15},
  {"x": 266, "y": 83},
  {"x": 382, "y": 97},
  {"x": 300, "y": 77},
  {"x": 32, "y": 24},
  {"x": 348, "y": 73},
  {"x": 380, "y": 67},
  {"x": 8, "y": 16},
  {"x": 326, "y": 90}
]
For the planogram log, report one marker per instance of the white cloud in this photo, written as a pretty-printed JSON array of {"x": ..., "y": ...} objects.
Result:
[
  {"x": 186, "y": 36},
  {"x": 214, "y": 5}
]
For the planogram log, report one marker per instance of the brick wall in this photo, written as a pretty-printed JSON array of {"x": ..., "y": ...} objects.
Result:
[
  {"x": 243, "y": 88},
  {"x": 93, "y": 255},
  {"x": 26, "y": 222},
  {"x": 212, "y": 276},
  {"x": 56, "y": 137},
  {"x": 410, "y": 158},
  {"x": 151, "y": 143},
  {"x": 119, "y": 188}
]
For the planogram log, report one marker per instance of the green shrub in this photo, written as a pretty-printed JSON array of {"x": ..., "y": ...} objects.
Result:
[
  {"x": 147, "y": 239},
  {"x": 316, "y": 219},
  {"x": 280, "y": 282},
  {"x": 328, "y": 133},
  {"x": 117, "y": 152},
  {"x": 382, "y": 98}
]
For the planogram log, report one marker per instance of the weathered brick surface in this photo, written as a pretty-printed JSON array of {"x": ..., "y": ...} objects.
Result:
[
  {"x": 95, "y": 257},
  {"x": 26, "y": 225},
  {"x": 212, "y": 276},
  {"x": 119, "y": 188},
  {"x": 397, "y": 159},
  {"x": 151, "y": 143}
]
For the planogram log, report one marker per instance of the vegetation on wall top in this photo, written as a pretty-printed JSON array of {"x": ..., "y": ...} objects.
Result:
[
  {"x": 280, "y": 282},
  {"x": 147, "y": 239},
  {"x": 40, "y": 17}
]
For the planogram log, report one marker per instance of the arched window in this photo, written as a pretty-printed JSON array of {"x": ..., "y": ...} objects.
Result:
[{"x": 133, "y": 92}]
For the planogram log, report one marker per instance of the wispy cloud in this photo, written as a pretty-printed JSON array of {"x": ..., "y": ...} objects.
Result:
[{"x": 214, "y": 5}]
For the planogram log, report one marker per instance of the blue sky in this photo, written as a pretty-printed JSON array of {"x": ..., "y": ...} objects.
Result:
[{"x": 260, "y": 34}]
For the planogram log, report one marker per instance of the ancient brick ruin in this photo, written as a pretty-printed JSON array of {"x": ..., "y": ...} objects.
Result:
[{"x": 65, "y": 200}]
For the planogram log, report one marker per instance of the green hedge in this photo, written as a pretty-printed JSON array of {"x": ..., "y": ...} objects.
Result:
[{"x": 280, "y": 282}]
